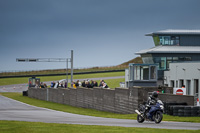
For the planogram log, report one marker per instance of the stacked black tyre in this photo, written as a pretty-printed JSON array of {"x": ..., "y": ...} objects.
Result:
[
  {"x": 178, "y": 110},
  {"x": 25, "y": 93},
  {"x": 168, "y": 107},
  {"x": 187, "y": 111},
  {"x": 195, "y": 111},
  {"x": 181, "y": 109}
]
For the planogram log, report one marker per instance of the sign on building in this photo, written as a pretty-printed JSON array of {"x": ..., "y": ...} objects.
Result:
[{"x": 179, "y": 91}]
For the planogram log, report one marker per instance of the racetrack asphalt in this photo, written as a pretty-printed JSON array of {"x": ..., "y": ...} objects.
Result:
[{"x": 14, "y": 110}]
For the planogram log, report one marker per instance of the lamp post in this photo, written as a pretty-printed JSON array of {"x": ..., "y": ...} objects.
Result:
[{"x": 71, "y": 68}]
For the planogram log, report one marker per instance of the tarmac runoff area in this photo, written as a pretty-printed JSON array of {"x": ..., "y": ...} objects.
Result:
[{"x": 14, "y": 110}]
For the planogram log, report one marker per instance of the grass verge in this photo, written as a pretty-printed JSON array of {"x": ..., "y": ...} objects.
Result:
[
  {"x": 38, "y": 127},
  {"x": 9, "y": 81},
  {"x": 90, "y": 112}
]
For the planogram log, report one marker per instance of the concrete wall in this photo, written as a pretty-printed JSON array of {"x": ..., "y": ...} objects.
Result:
[{"x": 123, "y": 101}]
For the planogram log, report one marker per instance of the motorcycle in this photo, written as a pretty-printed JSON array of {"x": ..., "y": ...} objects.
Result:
[{"x": 157, "y": 114}]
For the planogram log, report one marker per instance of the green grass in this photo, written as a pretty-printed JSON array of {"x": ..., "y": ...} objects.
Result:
[
  {"x": 9, "y": 81},
  {"x": 38, "y": 127},
  {"x": 61, "y": 71},
  {"x": 90, "y": 112},
  {"x": 113, "y": 83}
]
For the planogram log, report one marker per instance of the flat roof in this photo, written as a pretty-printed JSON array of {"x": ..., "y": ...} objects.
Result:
[
  {"x": 170, "y": 49},
  {"x": 175, "y": 32}
]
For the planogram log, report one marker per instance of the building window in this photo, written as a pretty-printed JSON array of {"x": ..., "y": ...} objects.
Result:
[
  {"x": 153, "y": 72},
  {"x": 181, "y": 83},
  {"x": 163, "y": 62},
  {"x": 175, "y": 59},
  {"x": 169, "y": 40},
  {"x": 137, "y": 73},
  {"x": 141, "y": 73},
  {"x": 196, "y": 86},
  {"x": 185, "y": 58},
  {"x": 172, "y": 83},
  {"x": 144, "y": 72},
  {"x": 169, "y": 60},
  {"x": 188, "y": 86},
  {"x": 131, "y": 73}
]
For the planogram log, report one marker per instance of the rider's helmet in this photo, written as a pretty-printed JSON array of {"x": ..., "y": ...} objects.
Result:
[{"x": 155, "y": 94}]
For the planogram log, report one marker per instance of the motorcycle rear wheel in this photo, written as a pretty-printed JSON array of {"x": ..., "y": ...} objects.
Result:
[
  {"x": 158, "y": 117},
  {"x": 140, "y": 119}
]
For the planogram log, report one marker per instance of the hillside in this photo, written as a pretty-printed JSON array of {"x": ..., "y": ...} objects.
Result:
[
  {"x": 63, "y": 71},
  {"x": 137, "y": 60}
]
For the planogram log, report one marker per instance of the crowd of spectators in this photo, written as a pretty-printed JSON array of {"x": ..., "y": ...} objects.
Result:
[
  {"x": 43, "y": 85},
  {"x": 84, "y": 83},
  {"x": 61, "y": 84},
  {"x": 90, "y": 84}
]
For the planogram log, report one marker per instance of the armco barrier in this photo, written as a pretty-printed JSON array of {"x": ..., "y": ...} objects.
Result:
[{"x": 119, "y": 100}]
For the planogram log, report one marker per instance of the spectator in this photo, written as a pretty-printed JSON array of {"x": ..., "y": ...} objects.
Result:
[
  {"x": 87, "y": 84},
  {"x": 77, "y": 83},
  {"x": 95, "y": 84},
  {"x": 58, "y": 85},
  {"x": 61, "y": 84},
  {"x": 37, "y": 85},
  {"x": 74, "y": 85},
  {"x": 83, "y": 83},
  {"x": 92, "y": 84},
  {"x": 45, "y": 85},
  {"x": 41, "y": 85},
  {"x": 52, "y": 84},
  {"x": 104, "y": 85},
  {"x": 100, "y": 84}
]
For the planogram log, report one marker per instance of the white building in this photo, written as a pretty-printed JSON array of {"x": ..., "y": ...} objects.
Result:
[{"x": 185, "y": 73}]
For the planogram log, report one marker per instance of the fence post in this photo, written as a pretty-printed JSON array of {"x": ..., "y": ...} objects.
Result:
[{"x": 47, "y": 94}]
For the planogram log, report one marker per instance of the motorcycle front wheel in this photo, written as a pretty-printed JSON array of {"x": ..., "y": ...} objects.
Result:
[
  {"x": 140, "y": 119},
  {"x": 158, "y": 117}
]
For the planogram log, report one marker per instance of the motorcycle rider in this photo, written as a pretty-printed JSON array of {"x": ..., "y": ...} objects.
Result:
[{"x": 152, "y": 100}]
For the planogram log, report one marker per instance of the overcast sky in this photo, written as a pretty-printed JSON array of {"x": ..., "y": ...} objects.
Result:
[{"x": 101, "y": 32}]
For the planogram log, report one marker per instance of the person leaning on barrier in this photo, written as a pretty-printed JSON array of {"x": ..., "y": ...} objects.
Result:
[
  {"x": 45, "y": 85},
  {"x": 101, "y": 83},
  {"x": 83, "y": 83},
  {"x": 87, "y": 84},
  {"x": 77, "y": 83},
  {"x": 41, "y": 85},
  {"x": 92, "y": 83},
  {"x": 104, "y": 85},
  {"x": 58, "y": 85},
  {"x": 95, "y": 84},
  {"x": 74, "y": 85},
  {"x": 52, "y": 84}
]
